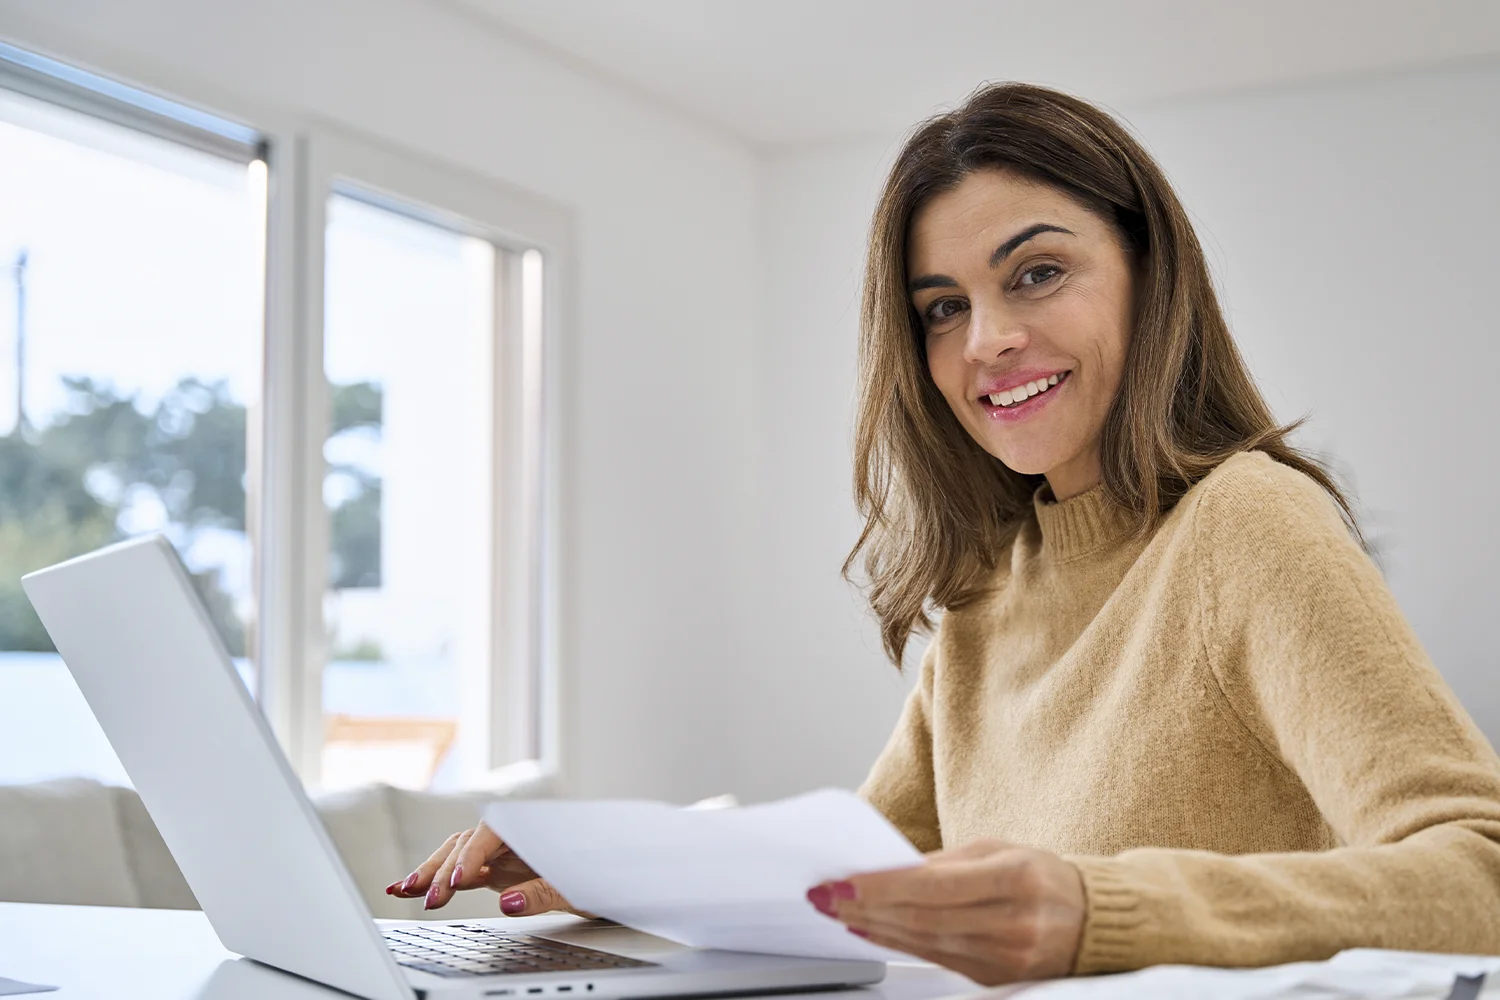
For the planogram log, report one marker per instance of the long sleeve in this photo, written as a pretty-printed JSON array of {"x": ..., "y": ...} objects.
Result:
[
  {"x": 900, "y": 784},
  {"x": 1304, "y": 645}
]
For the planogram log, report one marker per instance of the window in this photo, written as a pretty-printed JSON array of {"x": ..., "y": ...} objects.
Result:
[
  {"x": 130, "y": 337},
  {"x": 413, "y": 315},
  {"x": 429, "y": 325},
  {"x": 319, "y": 365}
]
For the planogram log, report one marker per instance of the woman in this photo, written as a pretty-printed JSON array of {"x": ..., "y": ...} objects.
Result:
[{"x": 1171, "y": 712}]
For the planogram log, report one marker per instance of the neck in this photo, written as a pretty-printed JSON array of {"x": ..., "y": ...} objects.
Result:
[{"x": 1077, "y": 475}]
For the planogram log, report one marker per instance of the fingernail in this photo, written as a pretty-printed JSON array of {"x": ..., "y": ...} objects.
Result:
[
  {"x": 390, "y": 890},
  {"x": 820, "y": 897},
  {"x": 410, "y": 883},
  {"x": 842, "y": 890},
  {"x": 431, "y": 900},
  {"x": 856, "y": 930},
  {"x": 458, "y": 876},
  {"x": 512, "y": 902}
]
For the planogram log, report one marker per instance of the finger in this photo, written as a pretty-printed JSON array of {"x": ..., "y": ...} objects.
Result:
[
  {"x": 417, "y": 882},
  {"x": 982, "y": 848},
  {"x": 482, "y": 848},
  {"x": 531, "y": 898},
  {"x": 996, "y": 947},
  {"x": 908, "y": 940},
  {"x": 963, "y": 957},
  {"x": 504, "y": 872},
  {"x": 441, "y": 889},
  {"x": 954, "y": 883},
  {"x": 936, "y": 922}
]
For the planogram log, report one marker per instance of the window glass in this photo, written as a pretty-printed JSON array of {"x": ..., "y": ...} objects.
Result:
[
  {"x": 408, "y": 352},
  {"x": 131, "y": 290}
]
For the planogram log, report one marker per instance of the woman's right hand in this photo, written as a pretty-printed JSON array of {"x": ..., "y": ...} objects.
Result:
[{"x": 478, "y": 858}]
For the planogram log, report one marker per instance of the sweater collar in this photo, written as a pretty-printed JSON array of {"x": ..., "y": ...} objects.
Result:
[{"x": 1081, "y": 524}]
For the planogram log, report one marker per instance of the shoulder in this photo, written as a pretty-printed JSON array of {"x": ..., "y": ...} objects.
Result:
[
  {"x": 1252, "y": 498},
  {"x": 1263, "y": 533}
]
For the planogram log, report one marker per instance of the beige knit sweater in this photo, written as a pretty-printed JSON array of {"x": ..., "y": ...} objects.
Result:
[{"x": 1229, "y": 727}]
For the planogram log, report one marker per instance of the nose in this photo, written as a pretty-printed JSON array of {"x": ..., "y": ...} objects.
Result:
[{"x": 992, "y": 334}]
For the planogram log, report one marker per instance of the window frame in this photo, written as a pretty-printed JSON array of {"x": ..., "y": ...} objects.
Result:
[
  {"x": 516, "y": 706},
  {"x": 65, "y": 85}
]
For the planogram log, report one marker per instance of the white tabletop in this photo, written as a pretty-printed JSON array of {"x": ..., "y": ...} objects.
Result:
[{"x": 125, "y": 954}]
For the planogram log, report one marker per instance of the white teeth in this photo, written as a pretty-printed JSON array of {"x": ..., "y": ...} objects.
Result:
[{"x": 1021, "y": 393}]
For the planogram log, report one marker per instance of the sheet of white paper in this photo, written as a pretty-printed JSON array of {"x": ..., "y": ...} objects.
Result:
[
  {"x": 719, "y": 878},
  {"x": 1363, "y": 973}
]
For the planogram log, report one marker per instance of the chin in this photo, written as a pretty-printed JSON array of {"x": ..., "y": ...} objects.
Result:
[
  {"x": 1035, "y": 460},
  {"x": 1027, "y": 468},
  {"x": 1026, "y": 461}
]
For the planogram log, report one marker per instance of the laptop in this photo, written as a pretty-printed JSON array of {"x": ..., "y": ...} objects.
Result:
[{"x": 137, "y": 639}]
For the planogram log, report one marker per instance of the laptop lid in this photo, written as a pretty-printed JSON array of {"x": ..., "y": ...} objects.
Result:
[{"x": 140, "y": 644}]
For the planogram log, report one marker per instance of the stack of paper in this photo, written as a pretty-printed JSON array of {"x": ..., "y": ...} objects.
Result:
[
  {"x": 716, "y": 878},
  {"x": 1363, "y": 973}
]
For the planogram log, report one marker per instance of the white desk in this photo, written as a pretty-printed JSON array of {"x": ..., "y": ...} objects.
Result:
[{"x": 98, "y": 952}]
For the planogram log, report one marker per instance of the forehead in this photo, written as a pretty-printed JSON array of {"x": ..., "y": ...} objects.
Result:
[{"x": 982, "y": 211}]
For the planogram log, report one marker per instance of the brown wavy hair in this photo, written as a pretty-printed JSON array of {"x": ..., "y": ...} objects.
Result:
[{"x": 937, "y": 507}]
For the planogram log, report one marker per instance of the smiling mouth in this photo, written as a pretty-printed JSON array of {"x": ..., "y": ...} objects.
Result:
[{"x": 1019, "y": 394}]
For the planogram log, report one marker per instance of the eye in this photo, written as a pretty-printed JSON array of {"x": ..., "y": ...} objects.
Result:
[
  {"x": 943, "y": 310},
  {"x": 1032, "y": 277}
]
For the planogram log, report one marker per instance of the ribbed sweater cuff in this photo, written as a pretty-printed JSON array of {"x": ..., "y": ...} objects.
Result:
[{"x": 1112, "y": 918}]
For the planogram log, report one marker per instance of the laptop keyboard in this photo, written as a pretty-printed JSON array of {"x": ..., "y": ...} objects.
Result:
[{"x": 479, "y": 950}]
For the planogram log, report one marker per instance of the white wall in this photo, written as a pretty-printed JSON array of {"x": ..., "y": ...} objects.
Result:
[
  {"x": 1353, "y": 229},
  {"x": 818, "y": 697},
  {"x": 659, "y": 384}
]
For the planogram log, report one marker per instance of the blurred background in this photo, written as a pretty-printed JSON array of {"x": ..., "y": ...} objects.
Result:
[{"x": 491, "y": 362}]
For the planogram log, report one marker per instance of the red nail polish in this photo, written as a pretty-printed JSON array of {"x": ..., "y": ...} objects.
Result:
[
  {"x": 458, "y": 876},
  {"x": 410, "y": 883},
  {"x": 431, "y": 900},
  {"x": 856, "y": 930},
  {"x": 821, "y": 898},
  {"x": 390, "y": 890},
  {"x": 512, "y": 902},
  {"x": 842, "y": 890}
]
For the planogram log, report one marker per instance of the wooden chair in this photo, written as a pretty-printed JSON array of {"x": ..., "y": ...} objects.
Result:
[{"x": 404, "y": 752}]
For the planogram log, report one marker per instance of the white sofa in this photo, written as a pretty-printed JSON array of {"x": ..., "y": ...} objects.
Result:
[{"x": 75, "y": 840}]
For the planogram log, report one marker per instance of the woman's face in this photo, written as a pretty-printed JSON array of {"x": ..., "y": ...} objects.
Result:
[{"x": 1026, "y": 299}]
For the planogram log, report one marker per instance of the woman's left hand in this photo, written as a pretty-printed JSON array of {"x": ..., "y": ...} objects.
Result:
[{"x": 991, "y": 911}]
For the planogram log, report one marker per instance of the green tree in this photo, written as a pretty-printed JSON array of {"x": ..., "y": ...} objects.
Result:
[
  {"x": 64, "y": 487},
  {"x": 45, "y": 517},
  {"x": 355, "y": 522}
]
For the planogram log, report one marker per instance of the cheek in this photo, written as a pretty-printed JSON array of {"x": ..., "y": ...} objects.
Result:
[
  {"x": 1092, "y": 329},
  {"x": 949, "y": 370},
  {"x": 1112, "y": 343},
  {"x": 1119, "y": 324}
]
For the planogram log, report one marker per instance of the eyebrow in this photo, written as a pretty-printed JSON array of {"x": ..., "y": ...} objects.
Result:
[{"x": 1003, "y": 251}]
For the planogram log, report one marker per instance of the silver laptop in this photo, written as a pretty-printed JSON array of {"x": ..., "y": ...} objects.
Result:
[{"x": 138, "y": 641}]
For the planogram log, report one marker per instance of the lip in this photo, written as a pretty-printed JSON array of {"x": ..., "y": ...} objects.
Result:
[
  {"x": 1024, "y": 411},
  {"x": 1018, "y": 377}
]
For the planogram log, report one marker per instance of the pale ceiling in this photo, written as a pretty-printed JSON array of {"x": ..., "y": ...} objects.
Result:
[{"x": 776, "y": 71}]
